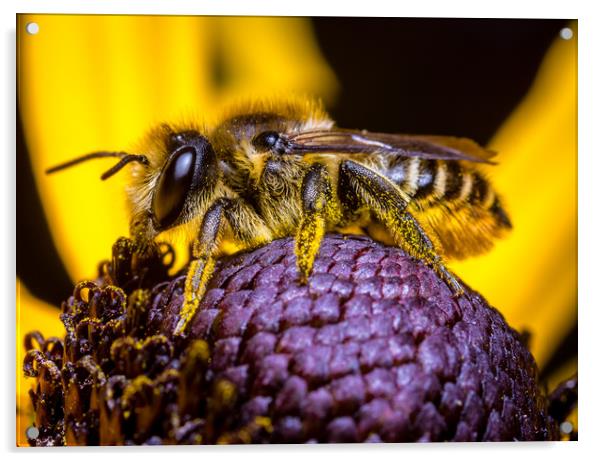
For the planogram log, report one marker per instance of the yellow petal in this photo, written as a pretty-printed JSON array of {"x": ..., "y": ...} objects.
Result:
[
  {"x": 531, "y": 276},
  {"x": 89, "y": 83},
  {"x": 32, "y": 314},
  {"x": 267, "y": 55}
]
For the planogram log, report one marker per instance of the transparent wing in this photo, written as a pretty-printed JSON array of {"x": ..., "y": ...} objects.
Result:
[{"x": 340, "y": 141}]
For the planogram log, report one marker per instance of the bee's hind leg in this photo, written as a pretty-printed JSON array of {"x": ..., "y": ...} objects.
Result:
[
  {"x": 316, "y": 198},
  {"x": 388, "y": 202}
]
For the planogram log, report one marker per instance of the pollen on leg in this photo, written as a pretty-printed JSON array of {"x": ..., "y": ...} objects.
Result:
[
  {"x": 307, "y": 244},
  {"x": 317, "y": 204},
  {"x": 199, "y": 273}
]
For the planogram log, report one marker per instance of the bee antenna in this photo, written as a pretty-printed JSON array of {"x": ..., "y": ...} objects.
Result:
[
  {"x": 125, "y": 159},
  {"x": 84, "y": 158},
  {"x": 123, "y": 162}
]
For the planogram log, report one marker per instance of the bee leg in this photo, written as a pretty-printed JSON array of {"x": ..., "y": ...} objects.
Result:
[
  {"x": 250, "y": 232},
  {"x": 145, "y": 249},
  {"x": 142, "y": 234},
  {"x": 315, "y": 197},
  {"x": 204, "y": 251},
  {"x": 389, "y": 204}
]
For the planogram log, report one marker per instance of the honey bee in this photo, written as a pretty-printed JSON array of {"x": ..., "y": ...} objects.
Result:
[{"x": 276, "y": 168}]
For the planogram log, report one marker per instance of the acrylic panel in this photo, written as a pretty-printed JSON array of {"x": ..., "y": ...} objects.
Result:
[{"x": 290, "y": 230}]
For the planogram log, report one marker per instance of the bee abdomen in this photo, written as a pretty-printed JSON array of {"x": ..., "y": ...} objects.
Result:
[
  {"x": 454, "y": 181},
  {"x": 471, "y": 188},
  {"x": 425, "y": 178},
  {"x": 419, "y": 178},
  {"x": 440, "y": 181},
  {"x": 464, "y": 185},
  {"x": 500, "y": 215},
  {"x": 481, "y": 193},
  {"x": 434, "y": 182}
]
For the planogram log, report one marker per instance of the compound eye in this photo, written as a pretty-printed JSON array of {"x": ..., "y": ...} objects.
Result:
[
  {"x": 268, "y": 140},
  {"x": 173, "y": 187}
]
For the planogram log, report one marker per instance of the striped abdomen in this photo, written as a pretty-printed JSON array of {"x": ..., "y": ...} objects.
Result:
[
  {"x": 454, "y": 200},
  {"x": 431, "y": 182}
]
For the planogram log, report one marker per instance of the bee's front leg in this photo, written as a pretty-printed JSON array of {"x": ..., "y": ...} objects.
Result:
[
  {"x": 143, "y": 234},
  {"x": 249, "y": 231},
  {"x": 316, "y": 199},
  {"x": 389, "y": 204},
  {"x": 204, "y": 251},
  {"x": 142, "y": 249}
]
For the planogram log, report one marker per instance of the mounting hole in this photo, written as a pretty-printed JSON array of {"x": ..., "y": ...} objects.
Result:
[
  {"x": 566, "y": 427},
  {"x": 566, "y": 33},
  {"x": 32, "y": 28},
  {"x": 32, "y": 432}
]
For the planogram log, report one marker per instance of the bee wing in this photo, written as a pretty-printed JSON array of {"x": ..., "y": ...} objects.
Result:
[{"x": 339, "y": 141}]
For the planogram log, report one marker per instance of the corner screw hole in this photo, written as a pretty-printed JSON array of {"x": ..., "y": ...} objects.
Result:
[
  {"x": 32, "y": 432},
  {"x": 566, "y": 33},
  {"x": 32, "y": 28}
]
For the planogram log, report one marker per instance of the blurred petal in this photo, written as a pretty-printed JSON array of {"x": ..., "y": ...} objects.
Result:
[
  {"x": 89, "y": 83},
  {"x": 260, "y": 61},
  {"x": 531, "y": 276},
  {"x": 39, "y": 316}
]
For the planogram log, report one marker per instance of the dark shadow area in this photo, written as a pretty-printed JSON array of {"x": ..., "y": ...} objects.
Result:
[
  {"x": 38, "y": 264},
  {"x": 459, "y": 77},
  {"x": 565, "y": 352}
]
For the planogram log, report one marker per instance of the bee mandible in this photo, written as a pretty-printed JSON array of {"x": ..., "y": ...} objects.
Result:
[{"x": 276, "y": 168}]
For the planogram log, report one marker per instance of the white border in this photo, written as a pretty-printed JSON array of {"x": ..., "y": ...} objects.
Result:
[{"x": 590, "y": 195}]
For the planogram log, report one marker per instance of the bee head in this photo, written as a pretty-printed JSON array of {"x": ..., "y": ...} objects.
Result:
[{"x": 189, "y": 170}]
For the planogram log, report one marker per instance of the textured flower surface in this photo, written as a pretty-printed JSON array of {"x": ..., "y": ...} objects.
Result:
[{"x": 374, "y": 348}]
